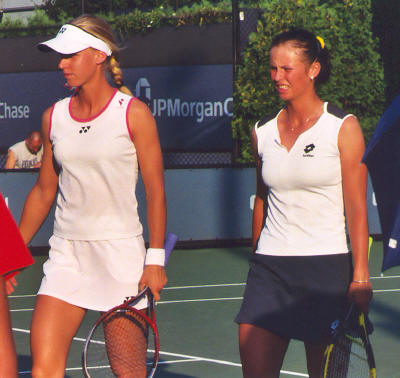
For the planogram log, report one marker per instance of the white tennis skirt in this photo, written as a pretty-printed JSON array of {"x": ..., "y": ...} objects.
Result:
[{"x": 95, "y": 275}]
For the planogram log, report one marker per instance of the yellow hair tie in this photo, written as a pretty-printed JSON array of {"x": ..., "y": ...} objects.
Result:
[{"x": 321, "y": 41}]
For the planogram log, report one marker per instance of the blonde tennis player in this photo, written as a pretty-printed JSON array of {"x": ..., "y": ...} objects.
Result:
[{"x": 93, "y": 143}]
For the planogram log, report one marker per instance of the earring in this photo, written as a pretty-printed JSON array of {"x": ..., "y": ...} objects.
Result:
[{"x": 311, "y": 78}]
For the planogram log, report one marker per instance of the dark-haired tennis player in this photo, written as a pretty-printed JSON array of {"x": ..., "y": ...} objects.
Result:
[
  {"x": 93, "y": 143},
  {"x": 310, "y": 177}
]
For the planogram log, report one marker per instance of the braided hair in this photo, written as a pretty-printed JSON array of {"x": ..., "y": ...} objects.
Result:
[{"x": 102, "y": 30}]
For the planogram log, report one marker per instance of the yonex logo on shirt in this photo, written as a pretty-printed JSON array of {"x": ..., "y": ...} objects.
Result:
[{"x": 84, "y": 129}]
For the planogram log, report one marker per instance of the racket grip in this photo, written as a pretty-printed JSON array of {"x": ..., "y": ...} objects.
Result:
[{"x": 170, "y": 241}]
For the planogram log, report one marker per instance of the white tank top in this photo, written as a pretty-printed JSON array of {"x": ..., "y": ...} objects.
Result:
[
  {"x": 98, "y": 173},
  {"x": 305, "y": 201}
]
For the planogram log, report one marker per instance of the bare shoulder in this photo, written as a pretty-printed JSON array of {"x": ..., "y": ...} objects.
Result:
[
  {"x": 254, "y": 132},
  {"x": 46, "y": 121},
  {"x": 254, "y": 135},
  {"x": 47, "y": 113},
  {"x": 139, "y": 108},
  {"x": 140, "y": 117},
  {"x": 350, "y": 124},
  {"x": 350, "y": 133}
]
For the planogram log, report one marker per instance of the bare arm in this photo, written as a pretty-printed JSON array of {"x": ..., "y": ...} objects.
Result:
[
  {"x": 354, "y": 181},
  {"x": 40, "y": 199},
  {"x": 145, "y": 138},
  {"x": 260, "y": 199},
  {"x": 11, "y": 160}
]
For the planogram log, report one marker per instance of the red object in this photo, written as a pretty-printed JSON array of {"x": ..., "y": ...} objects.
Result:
[{"x": 14, "y": 254}]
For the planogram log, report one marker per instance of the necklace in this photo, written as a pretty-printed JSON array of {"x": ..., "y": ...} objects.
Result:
[{"x": 304, "y": 124}]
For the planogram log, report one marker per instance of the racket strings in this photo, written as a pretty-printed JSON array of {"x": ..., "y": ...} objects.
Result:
[
  {"x": 126, "y": 344},
  {"x": 347, "y": 358},
  {"x": 119, "y": 347}
]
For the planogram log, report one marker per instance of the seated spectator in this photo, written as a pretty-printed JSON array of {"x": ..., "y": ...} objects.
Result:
[{"x": 26, "y": 154}]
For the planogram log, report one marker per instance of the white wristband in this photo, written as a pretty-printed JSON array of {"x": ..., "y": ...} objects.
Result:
[{"x": 155, "y": 256}]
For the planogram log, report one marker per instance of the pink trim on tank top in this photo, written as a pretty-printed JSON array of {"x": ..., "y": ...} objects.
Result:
[{"x": 95, "y": 116}]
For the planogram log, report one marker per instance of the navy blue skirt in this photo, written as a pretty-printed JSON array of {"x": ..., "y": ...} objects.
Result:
[{"x": 296, "y": 297}]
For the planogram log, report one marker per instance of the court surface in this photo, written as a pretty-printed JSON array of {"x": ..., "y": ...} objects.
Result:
[{"x": 197, "y": 334}]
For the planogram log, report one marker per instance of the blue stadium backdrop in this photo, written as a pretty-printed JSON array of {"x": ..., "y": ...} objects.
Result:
[{"x": 192, "y": 104}]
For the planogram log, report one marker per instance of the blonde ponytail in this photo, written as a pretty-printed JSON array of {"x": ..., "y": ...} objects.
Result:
[
  {"x": 116, "y": 75},
  {"x": 101, "y": 29}
]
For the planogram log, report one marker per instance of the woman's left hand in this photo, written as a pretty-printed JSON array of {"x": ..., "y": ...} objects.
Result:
[
  {"x": 361, "y": 294},
  {"x": 155, "y": 278}
]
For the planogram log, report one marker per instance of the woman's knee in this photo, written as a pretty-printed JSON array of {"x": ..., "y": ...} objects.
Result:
[
  {"x": 54, "y": 323},
  {"x": 261, "y": 351}
]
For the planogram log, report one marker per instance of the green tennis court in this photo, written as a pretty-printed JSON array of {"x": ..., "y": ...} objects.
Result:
[{"x": 195, "y": 316}]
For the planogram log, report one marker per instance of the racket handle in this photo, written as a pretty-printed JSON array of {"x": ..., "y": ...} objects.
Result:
[{"x": 170, "y": 241}]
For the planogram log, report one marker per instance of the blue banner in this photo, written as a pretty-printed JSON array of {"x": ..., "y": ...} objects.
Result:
[
  {"x": 23, "y": 99},
  {"x": 200, "y": 203},
  {"x": 192, "y": 105}
]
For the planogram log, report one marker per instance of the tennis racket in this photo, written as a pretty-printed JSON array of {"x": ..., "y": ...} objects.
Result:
[
  {"x": 350, "y": 353},
  {"x": 124, "y": 341}
]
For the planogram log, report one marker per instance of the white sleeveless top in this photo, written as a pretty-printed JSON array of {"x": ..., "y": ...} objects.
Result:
[
  {"x": 98, "y": 173},
  {"x": 305, "y": 200}
]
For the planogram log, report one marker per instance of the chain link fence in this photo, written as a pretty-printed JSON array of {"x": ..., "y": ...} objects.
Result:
[
  {"x": 3, "y": 158},
  {"x": 177, "y": 159}
]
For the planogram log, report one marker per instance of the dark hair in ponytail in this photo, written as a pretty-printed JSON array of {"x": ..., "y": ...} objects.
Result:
[{"x": 313, "y": 49}]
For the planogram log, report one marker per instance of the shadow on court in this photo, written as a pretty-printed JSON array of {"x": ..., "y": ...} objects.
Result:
[
  {"x": 24, "y": 363},
  {"x": 387, "y": 317},
  {"x": 162, "y": 371},
  {"x": 25, "y": 366},
  {"x": 198, "y": 336}
]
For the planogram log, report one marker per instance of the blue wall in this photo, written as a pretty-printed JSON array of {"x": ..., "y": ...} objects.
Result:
[
  {"x": 203, "y": 204},
  {"x": 192, "y": 105}
]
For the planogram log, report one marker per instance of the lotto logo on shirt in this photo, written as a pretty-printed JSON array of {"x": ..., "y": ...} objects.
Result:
[{"x": 307, "y": 149}]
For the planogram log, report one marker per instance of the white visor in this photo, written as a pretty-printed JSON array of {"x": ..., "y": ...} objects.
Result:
[{"x": 72, "y": 39}]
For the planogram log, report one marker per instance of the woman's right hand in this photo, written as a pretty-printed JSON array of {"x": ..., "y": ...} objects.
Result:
[{"x": 361, "y": 294}]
